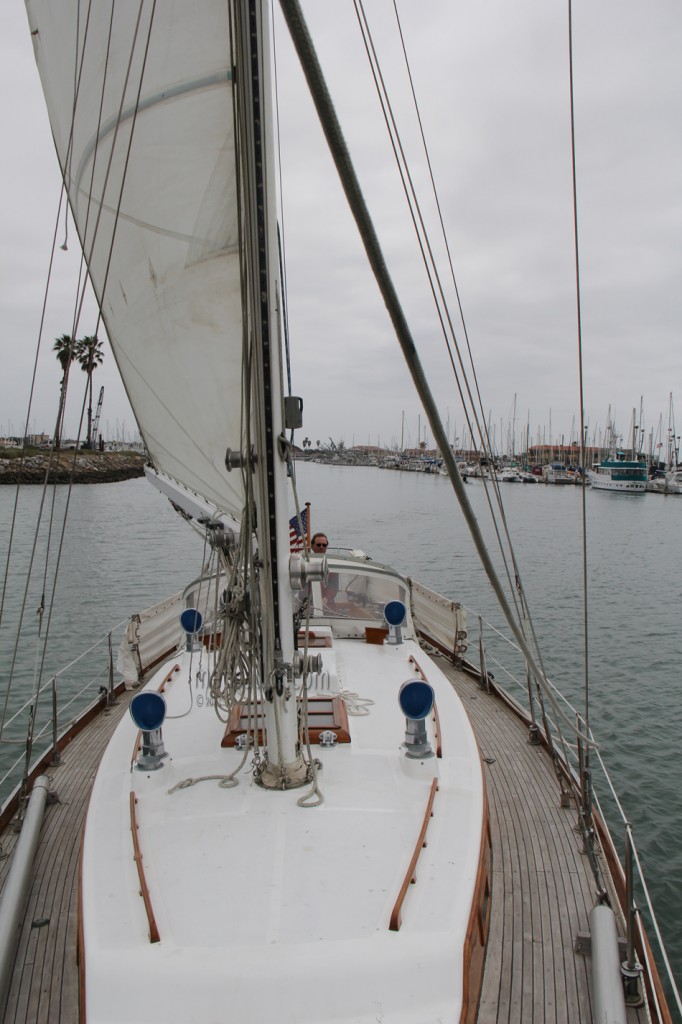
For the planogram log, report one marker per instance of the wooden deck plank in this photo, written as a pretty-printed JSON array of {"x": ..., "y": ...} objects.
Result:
[
  {"x": 544, "y": 986},
  {"x": 528, "y": 937},
  {"x": 53, "y": 865},
  {"x": 490, "y": 996},
  {"x": 44, "y": 986},
  {"x": 539, "y": 856},
  {"x": 53, "y": 952},
  {"x": 518, "y": 975},
  {"x": 537, "y": 908}
]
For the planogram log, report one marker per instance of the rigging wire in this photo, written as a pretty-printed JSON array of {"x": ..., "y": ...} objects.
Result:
[
  {"x": 513, "y": 575},
  {"x": 433, "y": 275},
  {"x": 576, "y": 247},
  {"x": 423, "y": 238},
  {"x": 483, "y": 432},
  {"x": 62, "y": 196},
  {"x": 119, "y": 120},
  {"x": 54, "y": 579},
  {"x": 77, "y": 313},
  {"x": 30, "y": 404},
  {"x": 585, "y": 806},
  {"x": 523, "y": 612},
  {"x": 281, "y": 235},
  {"x": 41, "y": 508},
  {"x": 351, "y": 186}
]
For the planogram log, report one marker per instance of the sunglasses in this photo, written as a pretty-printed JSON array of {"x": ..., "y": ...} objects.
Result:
[{"x": 320, "y": 544}]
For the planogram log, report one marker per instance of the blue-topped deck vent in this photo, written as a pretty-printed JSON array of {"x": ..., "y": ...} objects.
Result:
[
  {"x": 191, "y": 621},
  {"x": 416, "y": 699},
  {"x": 395, "y": 614},
  {"x": 148, "y": 711}
]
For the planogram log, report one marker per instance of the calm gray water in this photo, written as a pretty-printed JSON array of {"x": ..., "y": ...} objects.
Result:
[{"x": 125, "y": 548}]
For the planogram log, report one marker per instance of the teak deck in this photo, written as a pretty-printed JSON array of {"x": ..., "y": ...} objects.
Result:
[{"x": 541, "y": 897}]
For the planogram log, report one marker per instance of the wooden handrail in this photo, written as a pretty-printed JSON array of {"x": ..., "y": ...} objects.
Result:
[
  {"x": 417, "y": 667},
  {"x": 144, "y": 888},
  {"x": 166, "y": 681},
  {"x": 411, "y": 875}
]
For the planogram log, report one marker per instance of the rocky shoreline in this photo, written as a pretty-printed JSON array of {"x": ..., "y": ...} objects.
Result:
[{"x": 82, "y": 467}]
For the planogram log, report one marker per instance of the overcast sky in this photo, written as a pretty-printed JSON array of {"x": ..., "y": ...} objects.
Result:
[{"x": 491, "y": 80}]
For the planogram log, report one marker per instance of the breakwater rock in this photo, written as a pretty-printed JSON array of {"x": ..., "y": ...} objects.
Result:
[{"x": 79, "y": 467}]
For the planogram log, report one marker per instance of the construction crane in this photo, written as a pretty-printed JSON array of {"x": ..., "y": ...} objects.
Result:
[{"x": 95, "y": 422}]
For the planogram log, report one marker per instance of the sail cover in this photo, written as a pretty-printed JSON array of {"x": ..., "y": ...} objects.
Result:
[{"x": 140, "y": 101}]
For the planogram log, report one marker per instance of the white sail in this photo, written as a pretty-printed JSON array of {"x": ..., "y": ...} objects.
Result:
[{"x": 153, "y": 192}]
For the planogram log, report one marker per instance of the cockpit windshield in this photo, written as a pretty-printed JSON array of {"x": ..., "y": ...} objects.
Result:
[{"x": 356, "y": 593}]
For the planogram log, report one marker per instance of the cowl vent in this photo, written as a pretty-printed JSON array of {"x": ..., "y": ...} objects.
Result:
[
  {"x": 148, "y": 711},
  {"x": 416, "y": 700}
]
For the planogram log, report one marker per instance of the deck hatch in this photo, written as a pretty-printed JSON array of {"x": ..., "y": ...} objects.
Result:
[{"x": 324, "y": 713}]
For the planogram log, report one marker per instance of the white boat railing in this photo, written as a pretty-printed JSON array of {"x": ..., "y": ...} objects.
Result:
[
  {"x": 447, "y": 620},
  {"x": 124, "y": 655},
  {"x": 38, "y": 725},
  {"x": 149, "y": 636},
  {"x": 156, "y": 631},
  {"x": 631, "y": 851}
]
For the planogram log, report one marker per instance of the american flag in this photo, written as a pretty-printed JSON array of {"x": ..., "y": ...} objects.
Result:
[{"x": 297, "y": 531}]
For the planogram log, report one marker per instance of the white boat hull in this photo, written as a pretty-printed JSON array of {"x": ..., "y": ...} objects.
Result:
[
  {"x": 671, "y": 483},
  {"x": 602, "y": 482}
]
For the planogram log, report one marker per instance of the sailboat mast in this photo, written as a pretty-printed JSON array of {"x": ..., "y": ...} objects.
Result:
[{"x": 285, "y": 766}]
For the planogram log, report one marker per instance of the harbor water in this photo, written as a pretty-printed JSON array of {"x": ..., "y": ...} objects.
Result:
[{"x": 124, "y": 548}]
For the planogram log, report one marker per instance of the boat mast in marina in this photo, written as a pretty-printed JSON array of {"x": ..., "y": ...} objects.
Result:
[{"x": 285, "y": 766}]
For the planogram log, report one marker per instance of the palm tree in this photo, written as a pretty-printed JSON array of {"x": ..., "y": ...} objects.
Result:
[
  {"x": 90, "y": 355},
  {"x": 65, "y": 349}
]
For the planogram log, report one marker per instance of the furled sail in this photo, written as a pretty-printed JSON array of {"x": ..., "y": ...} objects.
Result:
[{"x": 140, "y": 101}]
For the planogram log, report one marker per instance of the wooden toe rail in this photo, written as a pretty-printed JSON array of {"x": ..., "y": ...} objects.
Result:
[
  {"x": 411, "y": 875},
  {"x": 144, "y": 888}
]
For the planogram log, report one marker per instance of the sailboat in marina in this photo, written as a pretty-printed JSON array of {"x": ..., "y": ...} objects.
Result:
[
  {"x": 294, "y": 822},
  {"x": 670, "y": 482}
]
